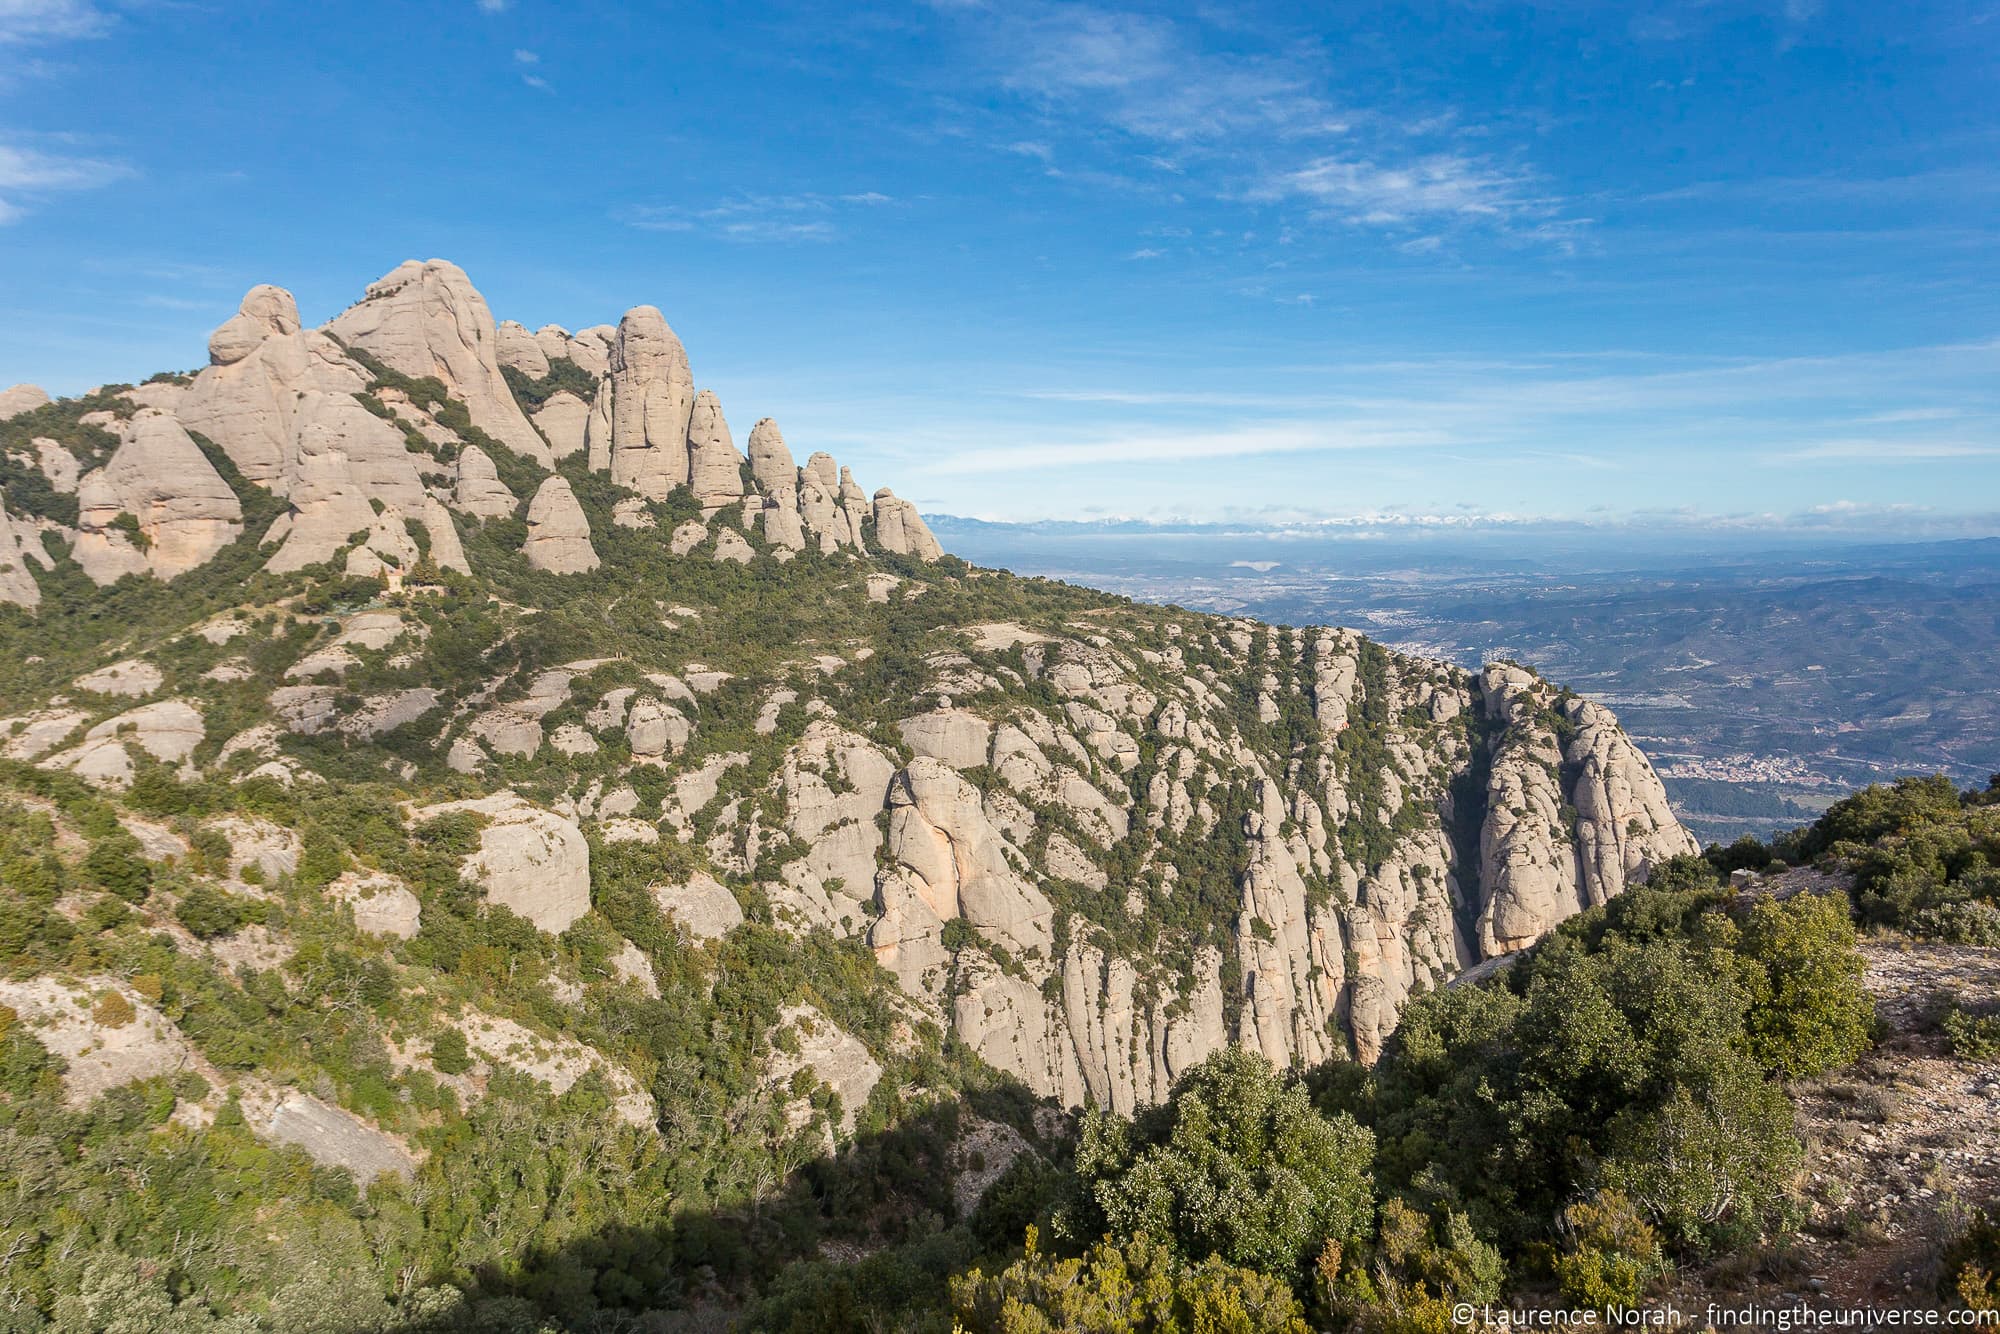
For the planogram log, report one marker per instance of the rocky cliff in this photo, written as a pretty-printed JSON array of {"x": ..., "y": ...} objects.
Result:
[{"x": 530, "y": 576}]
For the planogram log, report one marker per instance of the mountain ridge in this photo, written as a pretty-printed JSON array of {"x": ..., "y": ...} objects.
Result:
[{"x": 1094, "y": 840}]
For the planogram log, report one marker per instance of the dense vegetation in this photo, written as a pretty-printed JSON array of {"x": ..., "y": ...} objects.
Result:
[
  {"x": 1608, "y": 1105},
  {"x": 1920, "y": 856}
]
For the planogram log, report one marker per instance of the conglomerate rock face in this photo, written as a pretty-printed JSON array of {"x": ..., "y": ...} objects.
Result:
[{"x": 1096, "y": 840}]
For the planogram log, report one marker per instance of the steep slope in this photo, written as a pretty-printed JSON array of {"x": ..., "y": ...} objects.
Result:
[{"x": 1094, "y": 839}]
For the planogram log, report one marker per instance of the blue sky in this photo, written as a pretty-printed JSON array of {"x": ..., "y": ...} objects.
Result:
[{"x": 1027, "y": 259}]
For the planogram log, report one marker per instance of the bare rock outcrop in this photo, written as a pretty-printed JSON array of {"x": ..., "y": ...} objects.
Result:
[
  {"x": 426, "y": 319},
  {"x": 111, "y": 541},
  {"x": 899, "y": 528},
  {"x": 558, "y": 533},
  {"x": 58, "y": 465},
  {"x": 834, "y": 783},
  {"x": 529, "y": 860},
  {"x": 19, "y": 547},
  {"x": 819, "y": 505},
  {"x": 183, "y": 510},
  {"x": 266, "y": 312},
  {"x": 356, "y": 479},
  {"x": 556, "y": 1061},
  {"x": 1569, "y": 823},
  {"x": 263, "y": 367},
  {"x": 331, "y": 1136},
  {"x": 520, "y": 350},
  {"x": 834, "y": 1057},
  {"x": 564, "y": 419},
  {"x": 1624, "y": 826},
  {"x": 168, "y": 731},
  {"x": 771, "y": 464},
  {"x": 100, "y": 1050},
  {"x": 960, "y": 739},
  {"x": 715, "y": 469},
  {"x": 382, "y": 904},
  {"x": 133, "y": 678},
  {"x": 1527, "y": 870},
  {"x": 553, "y": 340},
  {"x": 703, "y": 905},
  {"x": 478, "y": 489},
  {"x": 21, "y": 398},
  {"x": 958, "y": 864},
  {"x": 590, "y": 349},
  {"x": 652, "y": 400},
  {"x": 654, "y": 729}
]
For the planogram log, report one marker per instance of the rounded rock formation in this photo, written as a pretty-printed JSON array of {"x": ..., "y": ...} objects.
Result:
[
  {"x": 558, "y": 533},
  {"x": 426, "y": 319},
  {"x": 652, "y": 399}
]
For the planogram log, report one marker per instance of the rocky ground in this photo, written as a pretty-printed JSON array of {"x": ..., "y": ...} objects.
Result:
[
  {"x": 1900, "y": 1145},
  {"x": 1906, "y": 1137}
]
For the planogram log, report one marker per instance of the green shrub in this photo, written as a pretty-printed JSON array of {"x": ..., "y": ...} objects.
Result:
[
  {"x": 115, "y": 865},
  {"x": 211, "y": 851},
  {"x": 1969, "y": 1269},
  {"x": 1236, "y": 1163},
  {"x": 112, "y": 1010},
  {"x": 208, "y": 912},
  {"x": 1609, "y": 1255},
  {"x": 1440, "y": 1256},
  {"x": 1712, "y": 1165},
  {"x": 450, "y": 1054},
  {"x": 1809, "y": 1011},
  {"x": 1141, "y": 1287},
  {"x": 1969, "y": 1036}
]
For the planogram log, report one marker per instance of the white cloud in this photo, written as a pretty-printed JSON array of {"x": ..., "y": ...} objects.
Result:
[
  {"x": 524, "y": 57},
  {"x": 1444, "y": 185},
  {"x": 25, "y": 21},
  {"x": 493, "y": 6},
  {"x": 1141, "y": 73},
  {"x": 30, "y": 172},
  {"x": 1865, "y": 450},
  {"x": 27, "y": 169},
  {"x": 1258, "y": 127},
  {"x": 757, "y": 218},
  {"x": 1901, "y": 415},
  {"x": 1167, "y": 445}
]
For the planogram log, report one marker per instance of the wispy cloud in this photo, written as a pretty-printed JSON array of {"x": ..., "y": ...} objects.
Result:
[
  {"x": 525, "y": 57},
  {"x": 758, "y": 218},
  {"x": 1143, "y": 74},
  {"x": 26, "y": 21},
  {"x": 1441, "y": 185},
  {"x": 30, "y": 174},
  {"x": 1166, "y": 445},
  {"x": 1866, "y": 450},
  {"x": 1260, "y": 127},
  {"x": 493, "y": 6}
]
